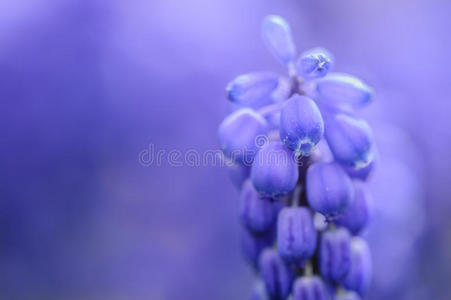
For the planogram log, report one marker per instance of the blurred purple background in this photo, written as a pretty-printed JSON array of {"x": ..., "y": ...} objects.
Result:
[{"x": 86, "y": 86}]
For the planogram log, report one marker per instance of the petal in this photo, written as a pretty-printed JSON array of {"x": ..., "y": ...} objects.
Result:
[
  {"x": 277, "y": 36},
  {"x": 338, "y": 89}
]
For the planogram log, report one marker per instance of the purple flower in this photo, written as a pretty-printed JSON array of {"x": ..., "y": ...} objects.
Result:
[
  {"x": 252, "y": 88},
  {"x": 301, "y": 124},
  {"x": 343, "y": 89},
  {"x": 276, "y": 274},
  {"x": 296, "y": 235},
  {"x": 329, "y": 188},
  {"x": 274, "y": 171},
  {"x": 314, "y": 63},
  {"x": 295, "y": 171},
  {"x": 335, "y": 254},
  {"x": 350, "y": 140},
  {"x": 310, "y": 288},
  {"x": 277, "y": 36},
  {"x": 359, "y": 275},
  {"x": 237, "y": 135},
  {"x": 256, "y": 213},
  {"x": 356, "y": 217}
]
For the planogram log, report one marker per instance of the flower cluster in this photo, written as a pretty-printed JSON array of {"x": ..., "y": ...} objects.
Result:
[{"x": 303, "y": 202}]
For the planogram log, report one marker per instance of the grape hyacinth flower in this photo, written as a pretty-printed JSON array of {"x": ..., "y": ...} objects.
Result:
[
  {"x": 350, "y": 140},
  {"x": 274, "y": 171},
  {"x": 310, "y": 288},
  {"x": 256, "y": 213},
  {"x": 356, "y": 217},
  {"x": 300, "y": 156},
  {"x": 296, "y": 234},
  {"x": 301, "y": 124},
  {"x": 314, "y": 63},
  {"x": 335, "y": 254},
  {"x": 359, "y": 274},
  {"x": 329, "y": 189},
  {"x": 238, "y": 132},
  {"x": 276, "y": 274}
]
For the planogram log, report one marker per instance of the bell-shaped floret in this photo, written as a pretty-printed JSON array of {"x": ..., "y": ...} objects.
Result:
[
  {"x": 296, "y": 235},
  {"x": 274, "y": 171},
  {"x": 250, "y": 89},
  {"x": 329, "y": 189},
  {"x": 314, "y": 63},
  {"x": 357, "y": 216},
  {"x": 335, "y": 254},
  {"x": 276, "y": 275},
  {"x": 350, "y": 140},
  {"x": 239, "y": 133},
  {"x": 256, "y": 213},
  {"x": 310, "y": 288},
  {"x": 301, "y": 125},
  {"x": 359, "y": 275},
  {"x": 339, "y": 89},
  {"x": 277, "y": 36}
]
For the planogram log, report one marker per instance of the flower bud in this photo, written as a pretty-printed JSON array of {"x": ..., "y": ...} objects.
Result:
[
  {"x": 356, "y": 217},
  {"x": 256, "y": 213},
  {"x": 296, "y": 235},
  {"x": 338, "y": 89},
  {"x": 329, "y": 189},
  {"x": 301, "y": 125},
  {"x": 277, "y": 36},
  {"x": 276, "y": 274},
  {"x": 359, "y": 275},
  {"x": 237, "y": 135},
  {"x": 274, "y": 171},
  {"x": 252, "y": 88},
  {"x": 253, "y": 244},
  {"x": 314, "y": 63},
  {"x": 310, "y": 288},
  {"x": 350, "y": 140},
  {"x": 335, "y": 254}
]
